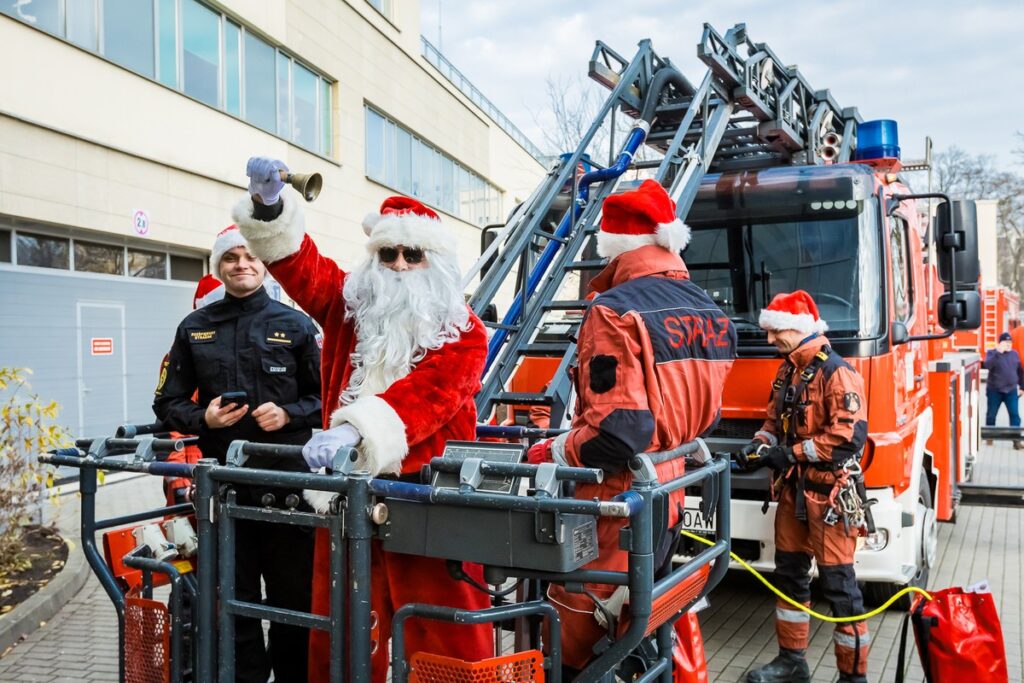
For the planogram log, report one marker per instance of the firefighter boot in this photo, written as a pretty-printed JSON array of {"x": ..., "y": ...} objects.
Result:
[
  {"x": 851, "y": 678},
  {"x": 789, "y": 667}
]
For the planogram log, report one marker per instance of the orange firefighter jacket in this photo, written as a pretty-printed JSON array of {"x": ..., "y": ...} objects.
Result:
[{"x": 829, "y": 423}]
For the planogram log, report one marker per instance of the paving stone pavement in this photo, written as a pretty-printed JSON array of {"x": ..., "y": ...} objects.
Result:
[{"x": 80, "y": 643}]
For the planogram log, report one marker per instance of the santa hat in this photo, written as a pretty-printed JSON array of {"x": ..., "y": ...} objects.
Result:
[
  {"x": 227, "y": 239},
  {"x": 646, "y": 215},
  {"x": 407, "y": 222},
  {"x": 208, "y": 290},
  {"x": 794, "y": 311}
]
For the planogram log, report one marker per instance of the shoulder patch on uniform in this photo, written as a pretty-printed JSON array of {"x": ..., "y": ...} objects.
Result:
[
  {"x": 602, "y": 373},
  {"x": 319, "y": 341},
  {"x": 163, "y": 376},
  {"x": 851, "y": 400}
]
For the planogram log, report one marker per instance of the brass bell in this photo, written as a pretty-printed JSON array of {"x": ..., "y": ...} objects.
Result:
[{"x": 308, "y": 184}]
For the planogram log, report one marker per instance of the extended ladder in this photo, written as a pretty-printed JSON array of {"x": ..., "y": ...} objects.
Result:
[{"x": 748, "y": 112}]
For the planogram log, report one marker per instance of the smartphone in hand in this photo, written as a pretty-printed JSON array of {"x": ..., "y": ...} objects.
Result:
[{"x": 239, "y": 398}]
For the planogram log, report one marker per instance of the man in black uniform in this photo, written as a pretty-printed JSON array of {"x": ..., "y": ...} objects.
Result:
[{"x": 249, "y": 342}]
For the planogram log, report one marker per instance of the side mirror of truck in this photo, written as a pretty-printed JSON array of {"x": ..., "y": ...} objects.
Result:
[
  {"x": 487, "y": 237},
  {"x": 900, "y": 333},
  {"x": 962, "y": 312},
  {"x": 956, "y": 241}
]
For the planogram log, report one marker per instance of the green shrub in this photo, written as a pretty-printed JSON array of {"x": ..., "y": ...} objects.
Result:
[{"x": 28, "y": 428}]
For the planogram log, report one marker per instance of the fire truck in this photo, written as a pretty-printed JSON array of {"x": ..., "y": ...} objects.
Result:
[
  {"x": 784, "y": 189},
  {"x": 999, "y": 305}
]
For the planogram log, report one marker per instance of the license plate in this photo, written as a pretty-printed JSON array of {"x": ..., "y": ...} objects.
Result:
[{"x": 693, "y": 521}]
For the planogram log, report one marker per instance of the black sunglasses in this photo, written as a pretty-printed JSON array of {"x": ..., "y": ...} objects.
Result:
[{"x": 390, "y": 255}]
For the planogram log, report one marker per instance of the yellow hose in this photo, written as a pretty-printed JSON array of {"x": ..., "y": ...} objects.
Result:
[{"x": 805, "y": 608}]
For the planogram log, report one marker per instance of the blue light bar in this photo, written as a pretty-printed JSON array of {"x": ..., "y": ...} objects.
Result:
[{"x": 878, "y": 139}]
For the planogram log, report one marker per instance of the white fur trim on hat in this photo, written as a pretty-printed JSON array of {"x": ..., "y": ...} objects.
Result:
[
  {"x": 271, "y": 240},
  {"x": 801, "y": 322},
  {"x": 672, "y": 236},
  {"x": 384, "y": 444},
  {"x": 225, "y": 242},
  {"x": 408, "y": 230}
]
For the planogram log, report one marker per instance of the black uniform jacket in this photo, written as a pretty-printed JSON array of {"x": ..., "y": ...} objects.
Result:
[{"x": 256, "y": 345}]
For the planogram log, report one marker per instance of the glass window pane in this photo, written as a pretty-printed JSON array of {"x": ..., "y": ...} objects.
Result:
[
  {"x": 374, "y": 145},
  {"x": 186, "y": 268},
  {"x": 168, "y": 51},
  {"x": 390, "y": 149},
  {"x": 44, "y": 252},
  {"x": 232, "y": 69},
  {"x": 304, "y": 106},
  {"x": 403, "y": 161},
  {"x": 326, "y": 130},
  {"x": 200, "y": 37},
  {"x": 128, "y": 34},
  {"x": 448, "y": 185},
  {"x": 81, "y": 22},
  {"x": 283, "y": 80},
  {"x": 147, "y": 264},
  {"x": 99, "y": 258},
  {"x": 260, "y": 102},
  {"x": 5, "y": 246},
  {"x": 44, "y": 14}
]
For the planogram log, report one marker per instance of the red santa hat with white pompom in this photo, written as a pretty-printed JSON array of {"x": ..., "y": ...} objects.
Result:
[
  {"x": 407, "y": 222},
  {"x": 641, "y": 217},
  {"x": 793, "y": 311}
]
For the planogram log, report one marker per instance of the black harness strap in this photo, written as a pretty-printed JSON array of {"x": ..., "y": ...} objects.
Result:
[{"x": 789, "y": 407}]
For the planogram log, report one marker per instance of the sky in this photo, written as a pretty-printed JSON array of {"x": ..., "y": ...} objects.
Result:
[{"x": 951, "y": 70}]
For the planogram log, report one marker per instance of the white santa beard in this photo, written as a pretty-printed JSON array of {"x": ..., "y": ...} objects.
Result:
[{"x": 398, "y": 318}]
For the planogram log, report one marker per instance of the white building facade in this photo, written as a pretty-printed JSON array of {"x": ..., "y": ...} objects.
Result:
[{"x": 125, "y": 126}]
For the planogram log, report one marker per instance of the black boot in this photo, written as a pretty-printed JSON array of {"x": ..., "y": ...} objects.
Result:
[
  {"x": 789, "y": 667},
  {"x": 851, "y": 678}
]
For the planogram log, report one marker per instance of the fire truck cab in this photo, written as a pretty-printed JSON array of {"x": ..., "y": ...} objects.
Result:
[{"x": 850, "y": 236}]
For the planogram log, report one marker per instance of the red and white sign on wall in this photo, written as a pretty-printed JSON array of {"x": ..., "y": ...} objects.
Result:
[{"x": 102, "y": 346}]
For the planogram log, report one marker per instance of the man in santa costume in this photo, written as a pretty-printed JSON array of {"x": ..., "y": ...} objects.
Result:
[
  {"x": 402, "y": 359},
  {"x": 653, "y": 354}
]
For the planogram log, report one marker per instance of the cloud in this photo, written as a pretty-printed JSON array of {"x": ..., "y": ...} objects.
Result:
[{"x": 941, "y": 68}]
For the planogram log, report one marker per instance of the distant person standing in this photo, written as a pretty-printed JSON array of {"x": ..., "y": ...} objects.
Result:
[{"x": 1005, "y": 383}]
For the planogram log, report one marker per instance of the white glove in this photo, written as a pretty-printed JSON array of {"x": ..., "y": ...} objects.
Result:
[{"x": 319, "y": 451}]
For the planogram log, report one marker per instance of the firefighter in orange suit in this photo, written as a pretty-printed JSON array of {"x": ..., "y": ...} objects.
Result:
[
  {"x": 814, "y": 432},
  {"x": 653, "y": 354}
]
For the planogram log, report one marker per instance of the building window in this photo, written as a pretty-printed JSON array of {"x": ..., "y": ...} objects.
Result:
[
  {"x": 80, "y": 19},
  {"x": 200, "y": 61},
  {"x": 128, "y": 34},
  {"x": 43, "y": 252},
  {"x": 185, "y": 268},
  {"x": 382, "y": 6},
  {"x": 99, "y": 258},
  {"x": 5, "y": 246},
  {"x": 148, "y": 264},
  {"x": 397, "y": 158},
  {"x": 43, "y": 14},
  {"x": 193, "y": 48}
]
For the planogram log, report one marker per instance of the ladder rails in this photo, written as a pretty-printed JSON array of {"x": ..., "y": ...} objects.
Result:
[{"x": 747, "y": 112}]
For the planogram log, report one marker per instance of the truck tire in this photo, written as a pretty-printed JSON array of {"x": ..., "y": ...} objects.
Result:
[{"x": 876, "y": 594}]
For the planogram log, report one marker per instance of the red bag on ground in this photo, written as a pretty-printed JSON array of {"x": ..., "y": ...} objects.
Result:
[
  {"x": 958, "y": 636},
  {"x": 688, "y": 661}
]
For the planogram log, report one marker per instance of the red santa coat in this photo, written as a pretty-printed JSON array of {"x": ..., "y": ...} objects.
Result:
[{"x": 402, "y": 427}]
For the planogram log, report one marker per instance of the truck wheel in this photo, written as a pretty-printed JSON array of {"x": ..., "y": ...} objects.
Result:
[{"x": 876, "y": 594}]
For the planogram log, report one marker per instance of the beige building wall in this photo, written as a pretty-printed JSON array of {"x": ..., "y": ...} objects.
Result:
[{"x": 85, "y": 142}]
